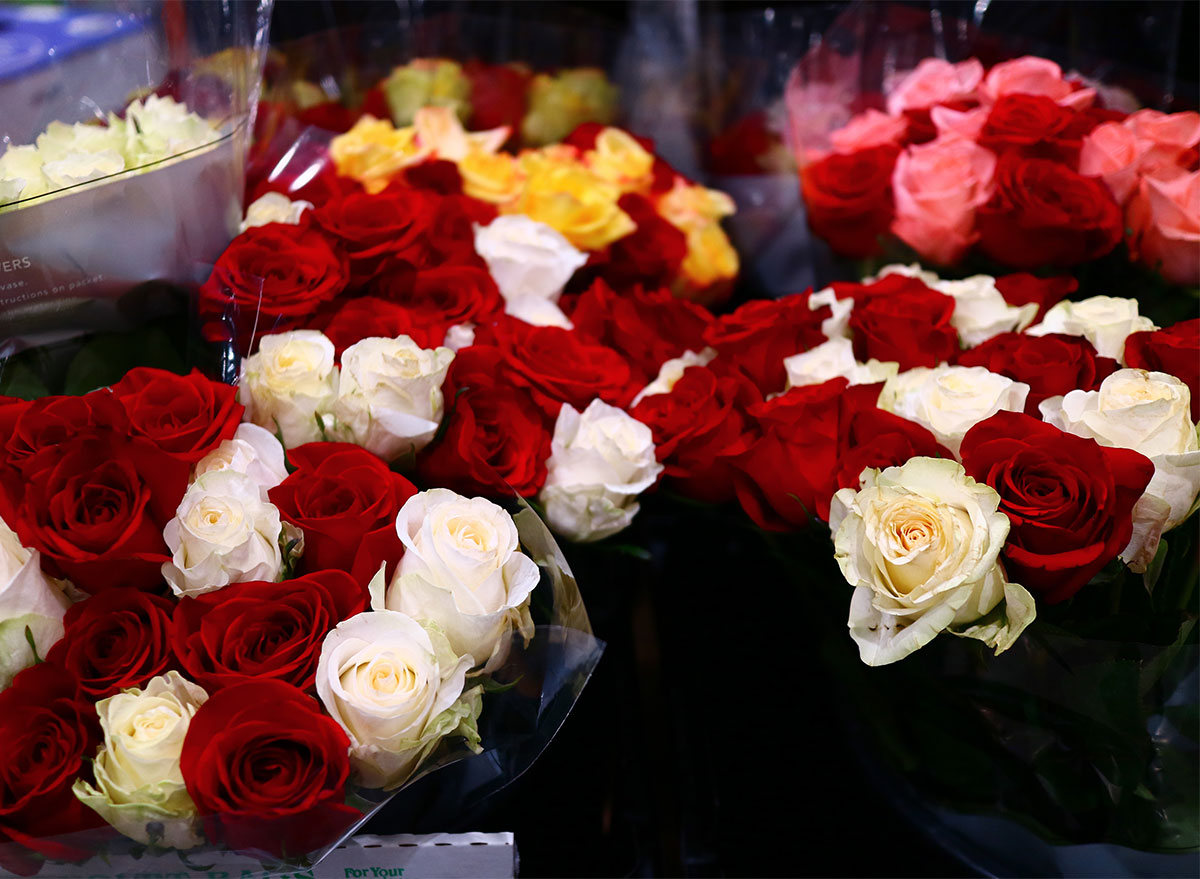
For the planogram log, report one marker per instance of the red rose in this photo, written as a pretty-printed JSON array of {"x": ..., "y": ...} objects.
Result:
[
  {"x": 47, "y": 732},
  {"x": 497, "y": 94},
  {"x": 451, "y": 236},
  {"x": 1175, "y": 350},
  {"x": 183, "y": 416},
  {"x": 757, "y": 337},
  {"x": 30, "y": 426},
  {"x": 870, "y": 437},
  {"x": 441, "y": 297},
  {"x": 87, "y": 508},
  {"x": 496, "y": 436},
  {"x": 1069, "y": 499},
  {"x": 267, "y": 770},
  {"x": 373, "y": 230},
  {"x": 699, "y": 429},
  {"x": 345, "y": 500},
  {"x": 365, "y": 316},
  {"x": 787, "y": 477},
  {"x": 1044, "y": 214},
  {"x": 270, "y": 279},
  {"x": 848, "y": 199},
  {"x": 650, "y": 255},
  {"x": 1051, "y": 365},
  {"x": 263, "y": 630},
  {"x": 434, "y": 175},
  {"x": 115, "y": 640},
  {"x": 329, "y": 115},
  {"x": 1021, "y": 288},
  {"x": 1035, "y": 126},
  {"x": 558, "y": 366},
  {"x": 899, "y": 318}
]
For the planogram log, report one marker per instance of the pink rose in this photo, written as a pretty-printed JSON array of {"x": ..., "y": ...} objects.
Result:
[
  {"x": 1111, "y": 153},
  {"x": 869, "y": 129},
  {"x": 1034, "y": 76},
  {"x": 1162, "y": 139},
  {"x": 967, "y": 124},
  {"x": 935, "y": 81},
  {"x": 1165, "y": 218},
  {"x": 937, "y": 187}
]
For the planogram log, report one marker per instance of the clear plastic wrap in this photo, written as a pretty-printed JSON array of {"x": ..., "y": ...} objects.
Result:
[{"x": 126, "y": 127}]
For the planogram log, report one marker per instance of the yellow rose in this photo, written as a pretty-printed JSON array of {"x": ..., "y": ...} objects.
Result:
[
  {"x": 373, "y": 152},
  {"x": 494, "y": 178},
  {"x": 710, "y": 257},
  {"x": 589, "y": 224},
  {"x": 620, "y": 159},
  {"x": 686, "y": 205},
  {"x": 439, "y": 130}
]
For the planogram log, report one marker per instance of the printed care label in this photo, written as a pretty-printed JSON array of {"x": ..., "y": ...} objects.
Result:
[{"x": 401, "y": 856}]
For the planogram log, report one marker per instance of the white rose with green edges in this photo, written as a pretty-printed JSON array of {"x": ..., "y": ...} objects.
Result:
[
  {"x": 463, "y": 569},
  {"x": 920, "y": 544},
  {"x": 397, "y": 688},
  {"x": 139, "y": 787},
  {"x": 32, "y": 607},
  {"x": 389, "y": 398},
  {"x": 289, "y": 385}
]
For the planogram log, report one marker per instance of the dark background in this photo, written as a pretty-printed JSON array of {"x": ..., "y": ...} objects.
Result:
[{"x": 709, "y": 742}]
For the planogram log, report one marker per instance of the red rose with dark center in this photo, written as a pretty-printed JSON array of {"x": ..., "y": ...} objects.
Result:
[
  {"x": 47, "y": 733},
  {"x": 557, "y": 366},
  {"x": 87, "y": 507},
  {"x": 786, "y": 479},
  {"x": 757, "y": 337},
  {"x": 442, "y": 297},
  {"x": 848, "y": 199},
  {"x": 270, "y": 279},
  {"x": 899, "y": 318},
  {"x": 648, "y": 327},
  {"x": 267, "y": 770},
  {"x": 497, "y": 94},
  {"x": 1044, "y": 214},
  {"x": 263, "y": 630},
  {"x": 1051, "y": 365},
  {"x": 1022, "y": 288},
  {"x": 650, "y": 255},
  {"x": 115, "y": 640},
  {"x": 451, "y": 238},
  {"x": 434, "y": 175},
  {"x": 30, "y": 426},
  {"x": 699, "y": 429},
  {"x": 368, "y": 316},
  {"x": 496, "y": 436},
  {"x": 1175, "y": 350},
  {"x": 1035, "y": 126},
  {"x": 345, "y": 500},
  {"x": 374, "y": 229},
  {"x": 1069, "y": 499},
  {"x": 870, "y": 437}
]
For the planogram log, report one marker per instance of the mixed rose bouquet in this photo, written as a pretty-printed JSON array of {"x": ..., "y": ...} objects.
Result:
[
  {"x": 1027, "y": 166},
  {"x": 204, "y": 639}
]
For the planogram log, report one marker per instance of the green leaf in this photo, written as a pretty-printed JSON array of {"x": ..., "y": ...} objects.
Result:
[
  {"x": 104, "y": 359},
  {"x": 18, "y": 380},
  {"x": 32, "y": 646},
  {"x": 491, "y": 686}
]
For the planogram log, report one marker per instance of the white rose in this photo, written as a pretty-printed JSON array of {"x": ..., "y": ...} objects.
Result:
[
  {"x": 837, "y": 325},
  {"x": 390, "y": 395},
  {"x": 139, "y": 787},
  {"x": 396, "y": 688},
  {"x": 672, "y": 371},
  {"x": 158, "y": 127},
  {"x": 463, "y": 569},
  {"x": 980, "y": 310},
  {"x": 950, "y": 400},
  {"x": 30, "y": 602},
  {"x": 1149, "y": 412},
  {"x": 600, "y": 462},
  {"x": 21, "y": 173},
  {"x": 912, "y": 270},
  {"x": 1105, "y": 321},
  {"x": 223, "y": 532},
  {"x": 274, "y": 207},
  {"x": 76, "y": 168},
  {"x": 835, "y": 359},
  {"x": 531, "y": 263},
  {"x": 920, "y": 544},
  {"x": 459, "y": 336},
  {"x": 253, "y": 452},
  {"x": 289, "y": 384}
]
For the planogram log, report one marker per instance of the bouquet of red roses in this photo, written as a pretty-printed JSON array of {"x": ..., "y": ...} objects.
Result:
[{"x": 206, "y": 641}]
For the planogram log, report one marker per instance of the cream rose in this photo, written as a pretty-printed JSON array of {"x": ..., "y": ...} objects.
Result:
[
  {"x": 289, "y": 384},
  {"x": 920, "y": 544},
  {"x": 950, "y": 400},
  {"x": 1149, "y": 412},
  {"x": 139, "y": 787},
  {"x": 600, "y": 461},
  {"x": 31, "y": 607},
  {"x": 980, "y": 310},
  {"x": 463, "y": 569},
  {"x": 274, "y": 207},
  {"x": 835, "y": 359},
  {"x": 223, "y": 532},
  {"x": 389, "y": 398},
  {"x": 672, "y": 371},
  {"x": 397, "y": 689},
  {"x": 1105, "y": 321},
  {"x": 253, "y": 452},
  {"x": 531, "y": 263}
]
